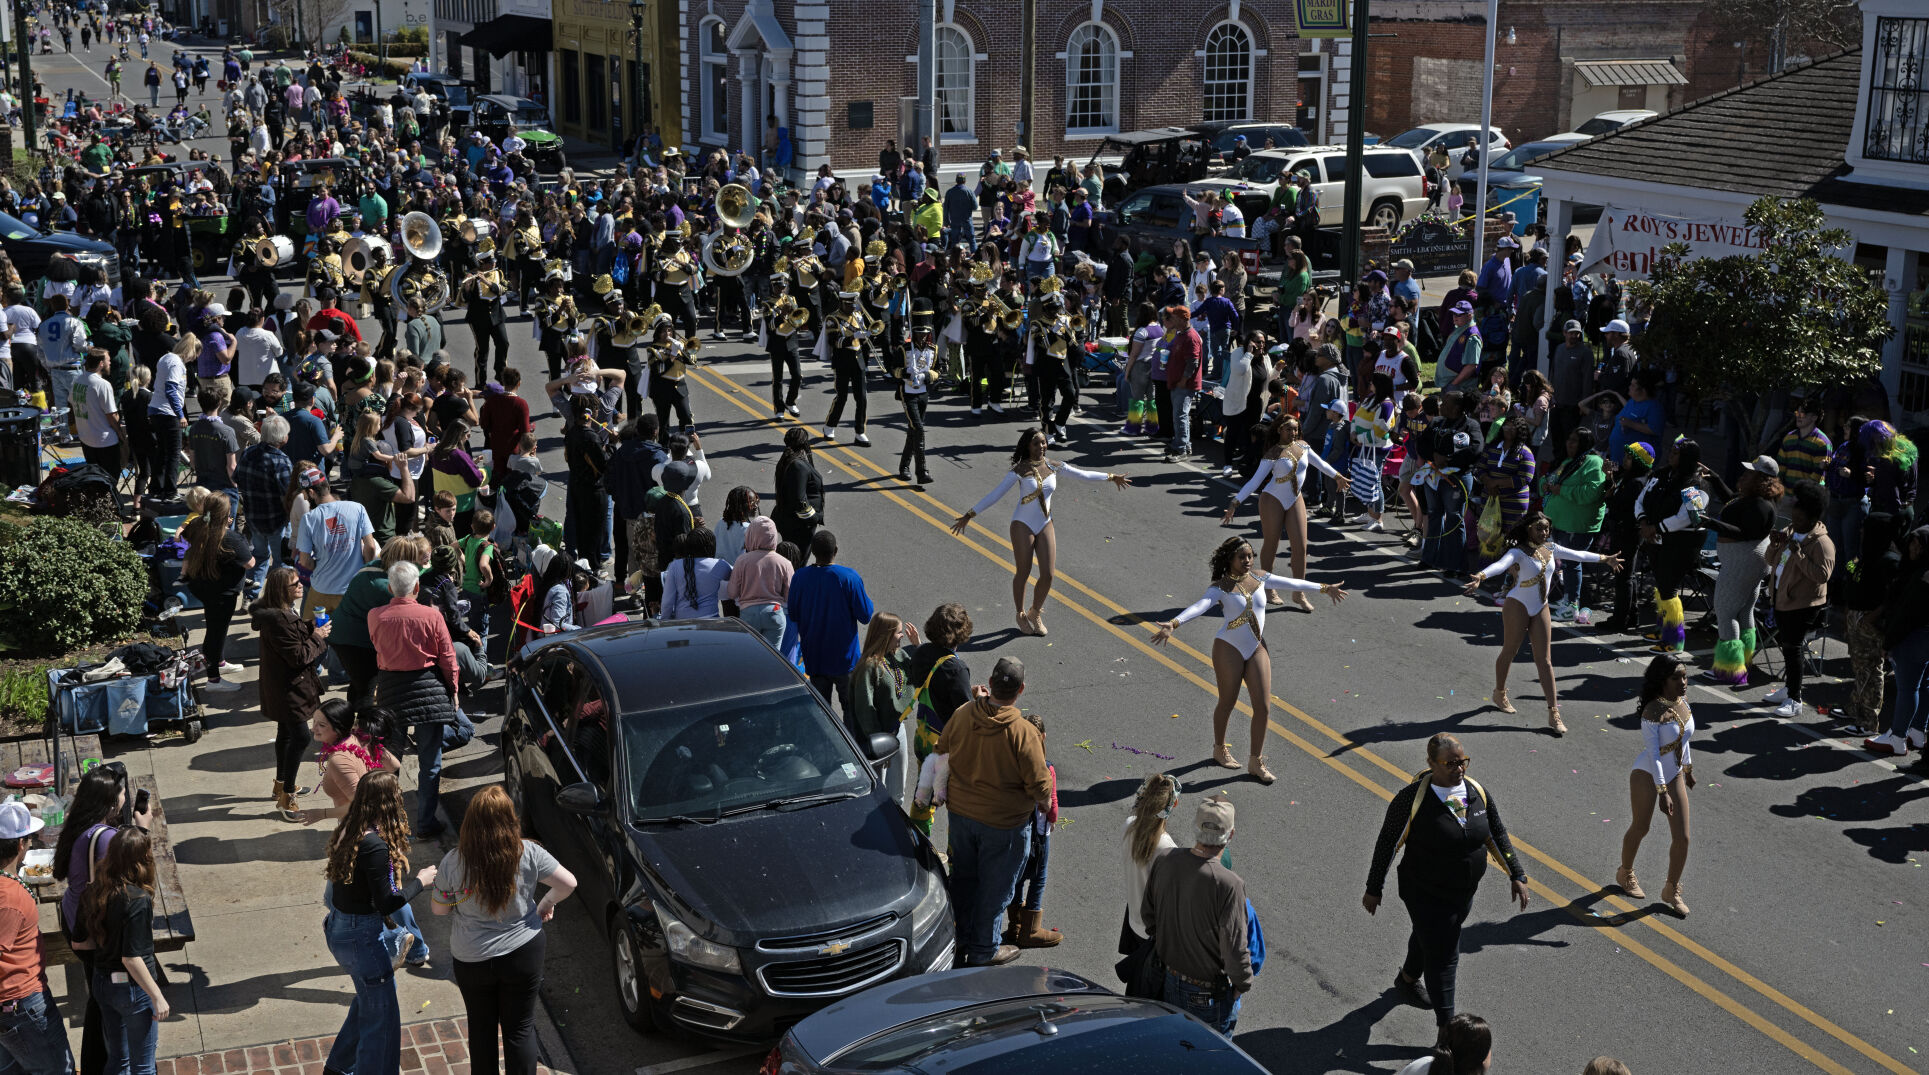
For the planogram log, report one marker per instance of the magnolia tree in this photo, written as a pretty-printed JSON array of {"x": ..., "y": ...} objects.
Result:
[{"x": 1796, "y": 316}]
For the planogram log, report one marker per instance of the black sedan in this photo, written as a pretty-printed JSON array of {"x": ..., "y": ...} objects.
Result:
[
  {"x": 1012, "y": 1020},
  {"x": 727, "y": 833},
  {"x": 30, "y": 249}
]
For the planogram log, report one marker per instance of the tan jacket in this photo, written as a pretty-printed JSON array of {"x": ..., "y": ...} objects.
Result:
[
  {"x": 998, "y": 770},
  {"x": 1805, "y": 575}
]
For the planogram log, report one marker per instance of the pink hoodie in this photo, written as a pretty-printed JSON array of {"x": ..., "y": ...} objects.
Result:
[{"x": 760, "y": 576}]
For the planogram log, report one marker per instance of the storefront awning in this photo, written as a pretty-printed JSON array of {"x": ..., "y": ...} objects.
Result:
[
  {"x": 1624, "y": 72},
  {"x": 505, "y": 34}
]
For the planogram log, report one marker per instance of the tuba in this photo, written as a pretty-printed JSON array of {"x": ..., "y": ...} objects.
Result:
[
  {"x": 734, "y": 206},
  {"x": 420, "y": 279},
  {"x": 728, "y": 253}
]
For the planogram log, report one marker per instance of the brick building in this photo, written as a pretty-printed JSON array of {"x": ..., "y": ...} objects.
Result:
[
  {"x": 842, "y": 76},
  {"x": 1556, "y": 62}
]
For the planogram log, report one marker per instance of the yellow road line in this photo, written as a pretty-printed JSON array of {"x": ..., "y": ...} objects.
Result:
[{"x": 729, "y": 390}]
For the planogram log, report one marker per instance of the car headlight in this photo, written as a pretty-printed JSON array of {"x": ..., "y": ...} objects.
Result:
[
  {"x": 686, "y": 946},
  {"x": 932, "y": 906}
]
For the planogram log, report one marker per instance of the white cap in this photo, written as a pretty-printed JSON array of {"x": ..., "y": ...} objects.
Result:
[
  {"x": 17, "y": 821},
  {"x": 1616, "y": 325}
]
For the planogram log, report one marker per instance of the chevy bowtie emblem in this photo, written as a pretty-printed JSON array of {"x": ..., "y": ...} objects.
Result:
[{"x": 834, "y": 948}]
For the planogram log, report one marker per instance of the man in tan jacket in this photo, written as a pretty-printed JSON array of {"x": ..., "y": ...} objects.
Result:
[
  {"x": 998, "y": 778},
  {"x": 1802, "y": 557}
]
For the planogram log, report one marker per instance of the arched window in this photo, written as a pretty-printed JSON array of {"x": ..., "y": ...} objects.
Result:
[
  {"x": 1092, "y": 81},
  {"x": 957, "y": 86},
  {"x": 1228, "y": 64},
  {"x": 713, "y": 92}
]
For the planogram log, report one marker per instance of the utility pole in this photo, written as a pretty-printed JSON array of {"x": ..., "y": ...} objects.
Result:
[
  {"x": 381, "y": 46},
  {"x": 1355, "y": 146},
  {"x": 29, "y": 109},
  {"x": 927, "y": 79},
  {"x": 1483, "y": 142},
  {"x": 1028, "y": 63}
]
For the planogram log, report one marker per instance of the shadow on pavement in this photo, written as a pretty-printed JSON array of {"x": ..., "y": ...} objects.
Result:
[{"x": 1340, "y": 1046}]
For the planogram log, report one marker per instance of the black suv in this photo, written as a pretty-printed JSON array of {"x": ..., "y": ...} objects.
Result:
[{"x": 730, "y": 838}]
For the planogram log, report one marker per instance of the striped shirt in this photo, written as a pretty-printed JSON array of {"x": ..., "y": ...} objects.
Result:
[{"x": 1804, "y": 458}]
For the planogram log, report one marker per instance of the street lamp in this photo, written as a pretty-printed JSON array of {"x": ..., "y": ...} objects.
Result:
[{"x": 640, "y": 91}]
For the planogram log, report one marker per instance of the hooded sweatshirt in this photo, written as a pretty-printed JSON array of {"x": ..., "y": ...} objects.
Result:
[
  {"x": 760, "y": 576},
  {"x": 998, "y": 773}
]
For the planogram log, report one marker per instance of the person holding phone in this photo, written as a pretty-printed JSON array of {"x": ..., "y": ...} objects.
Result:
[
  {"x": 32, "y": 1036},
  {"x": 119, "y": 912},
  {"x": 99, "y": 804}
]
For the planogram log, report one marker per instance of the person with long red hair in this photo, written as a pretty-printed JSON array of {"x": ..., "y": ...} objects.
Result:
[{"x": 488, "y": 884}]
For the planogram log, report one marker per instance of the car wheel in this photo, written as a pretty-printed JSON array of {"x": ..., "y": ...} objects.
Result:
[
  {"x": 1385, "y": 215},
  {"x": 512, "y": 782},
  {"x": 643, "y": 1012}
]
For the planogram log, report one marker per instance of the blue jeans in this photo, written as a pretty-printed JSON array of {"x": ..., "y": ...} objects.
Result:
[
  {"x": 1911, "y": 657},
  {"x": 768, "y": 621},
  {"x": 1031, "y": 883},
  {"x": 1445, "y": 544},
  {"x": 370, "y": 1040},
  {"x": 1570, "y": 572},
  {"x": 32, "y": 1039},
  {"x": 1182, "y": 420},
  {"x": 428, "y": 778},
  {"x": 267, "y": 547},
  {"x": 1218, "y": 349},
  {"x": 63, "y": 386},
  {"x": 985, "y": 865},
  {"x": 478, "y": 615},
  {"x": 391, "y": 938},
  {"x": 127, "y": 1023},
  {"x": 961, "y": 235},
  {"x": 1219, "y": 1012}
]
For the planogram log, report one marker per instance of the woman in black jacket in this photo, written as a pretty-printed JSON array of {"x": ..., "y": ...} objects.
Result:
[
  {"x": 1905, "y": 636},
  {"x": 1624, "y": 530},
  {"x": 1448, "y": 824},
  {"x": 290, "y": 689},
  {"x": 218, "y": 559},
  {"x": 365, "y": 857},
  {"x": 800, "y": 490}
]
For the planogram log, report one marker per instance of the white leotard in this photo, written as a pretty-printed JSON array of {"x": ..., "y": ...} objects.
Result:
[
  {"x": 1658, "y": 738},
  {"x": 1034, "y": 507},
  {"x": 1282, "y": 477},
  {"x": 1531, "y": 576},
  {"x": 1245, "y": 619}
]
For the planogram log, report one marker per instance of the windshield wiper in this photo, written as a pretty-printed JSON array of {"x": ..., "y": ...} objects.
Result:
[
  {"x": 678, "y": 819},
  {"x": 815, "y": 799}
]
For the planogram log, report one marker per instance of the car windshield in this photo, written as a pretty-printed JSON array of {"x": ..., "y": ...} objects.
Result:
[
  {"x": 1413, "y": 138},
  {"x": 14, "y": 228},
  {"x": 1515, "y": 159},
  {"x": 902, "y": 1046},
  {"x": 458, "y": 95},
  {"x": 701, "y": 761},
  {"x": 1597, "y": 125},
  {"x": 1259, "y": 169},
  {"x": 532, "y": 117}
]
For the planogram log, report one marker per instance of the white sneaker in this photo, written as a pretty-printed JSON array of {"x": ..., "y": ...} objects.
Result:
[
  {"x": 977, "y": 410},
  {"x": 996, "y": 409},
  {"x": 862, "y": 441},
  {"x": 220, "y": 686},
  {"x": 229, "y": 668},
  {"x": 1886, "y": 744},
  {"x": 830, "y": 432},
  {"x": 791, "y": 410},
  {"x": 1227, "y": 472},
  {"x": 1790, "y": 708},
  {"x": 1776, "y": 696},
  {"x": 1917, "y": 739},
  {"x": 1564, "y": 612},
  {"x": 1373, "y": 526}
]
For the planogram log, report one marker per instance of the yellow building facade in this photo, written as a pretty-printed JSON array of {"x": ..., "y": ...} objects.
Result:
[{"x": 601, "y": 93}]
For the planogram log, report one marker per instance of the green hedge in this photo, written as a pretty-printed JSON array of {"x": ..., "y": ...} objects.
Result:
[
  {"x": 65, "y": 584},
  {"x": 392, "y": 68}
]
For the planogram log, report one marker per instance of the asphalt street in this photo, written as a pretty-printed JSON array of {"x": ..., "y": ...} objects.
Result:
[{"x": 1804, "y": 951}]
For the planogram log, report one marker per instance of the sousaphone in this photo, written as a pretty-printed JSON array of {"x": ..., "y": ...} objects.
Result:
[
  {"x": 421, "y": 279},
  {"x": 729, "y": 252}
]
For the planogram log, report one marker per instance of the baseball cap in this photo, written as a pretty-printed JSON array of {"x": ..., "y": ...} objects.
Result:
[
  {"x": 1376, "y": 277},
  {"x": 312, "y": 478},
  {"x": 1616, "y": 325},
  {"x": 1573, "y": 326},
  {"x": 1007, "y": 677},
  {"x": 17, "y": 821},
  {"x": 1507, "y": 242},
  {"x": 1462, "y": 307},
  {"x": 1404, "y": 263},
  {"x": 1763, "y": 464},
  {"x": 1212, "y": 821}
]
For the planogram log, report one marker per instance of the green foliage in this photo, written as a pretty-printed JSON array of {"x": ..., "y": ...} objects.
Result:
[
  {"x": 393, "y": 69},
  {"x": 1794, "y": 317},
  {"x": 23, "y": 693},
  {"x": 64, "y": 583},
  {"x": 344, "y": 37},
  {"x": 417, "y": 35},
  {"x": 277, "y": 39}
]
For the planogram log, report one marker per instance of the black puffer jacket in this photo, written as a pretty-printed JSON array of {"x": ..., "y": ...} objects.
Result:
[{"x": 418, "y": 697}]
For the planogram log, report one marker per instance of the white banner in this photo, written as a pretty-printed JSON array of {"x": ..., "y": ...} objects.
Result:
[{"x": 1627, "y": 241}]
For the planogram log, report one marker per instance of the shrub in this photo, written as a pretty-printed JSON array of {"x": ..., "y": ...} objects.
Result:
[{"x": 64, "y": 583}]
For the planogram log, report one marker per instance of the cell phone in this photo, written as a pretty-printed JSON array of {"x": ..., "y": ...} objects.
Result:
[{"x": 140, "y": 801}]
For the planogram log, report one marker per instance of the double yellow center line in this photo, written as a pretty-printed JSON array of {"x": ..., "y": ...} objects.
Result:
[{"x": 1109, "y": 616}]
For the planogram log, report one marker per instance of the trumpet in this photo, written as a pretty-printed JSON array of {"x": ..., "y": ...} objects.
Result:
[
  {"x": 562, "y": 316},
  {"x": 793, "y": 320}
]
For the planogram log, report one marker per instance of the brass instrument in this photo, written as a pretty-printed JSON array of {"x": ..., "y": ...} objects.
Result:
[
  {"x": 794, "y": 319},
  {"x": 626, "y": 329},
  {"x": 900, "y": 281},
  {"x": 728, "y": 253},
  {"x": 529, "y": 242},
  {"x": 1008, "y": 318},
  {"x": 734, "y": 205},
  {"x": 561, "y": 317}
]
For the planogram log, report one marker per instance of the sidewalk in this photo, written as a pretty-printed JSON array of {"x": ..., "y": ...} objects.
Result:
[
  {"x": 259, "y": 969},
  {"x": 434, "y": 1047}
]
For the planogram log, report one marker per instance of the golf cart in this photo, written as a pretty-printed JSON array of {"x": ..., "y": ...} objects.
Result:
[
  {"x": 1147, "y": 158},
  {"x": 496, "y": 114}
]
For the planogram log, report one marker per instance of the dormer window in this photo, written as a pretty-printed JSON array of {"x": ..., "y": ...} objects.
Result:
[{"x": 1898, "y": 120}]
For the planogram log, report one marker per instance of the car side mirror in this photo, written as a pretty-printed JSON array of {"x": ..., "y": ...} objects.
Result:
[
  {"x": 880, "y": 746},
  {"x": 582, "y": 798}
]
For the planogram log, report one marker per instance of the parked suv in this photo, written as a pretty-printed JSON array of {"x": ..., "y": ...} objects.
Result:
[
  {"x": 1392, "y": 192},
  {"x": 728, "y": 835}
]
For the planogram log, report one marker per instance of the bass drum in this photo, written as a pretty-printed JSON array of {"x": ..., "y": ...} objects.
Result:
[{"x": 358, "y": 256}]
